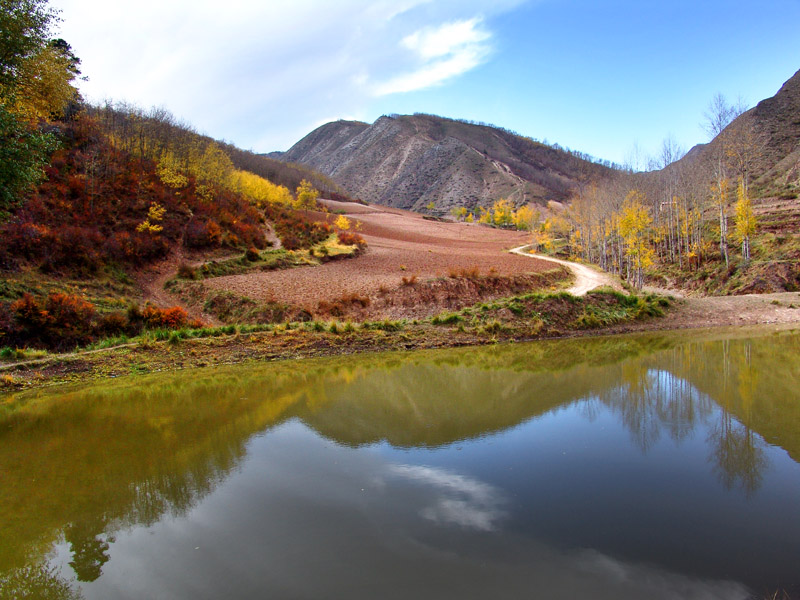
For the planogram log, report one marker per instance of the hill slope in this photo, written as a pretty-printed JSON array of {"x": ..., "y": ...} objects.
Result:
[
  {"x": 411, "y": 161},
  {"x": 772, "y": 130}
]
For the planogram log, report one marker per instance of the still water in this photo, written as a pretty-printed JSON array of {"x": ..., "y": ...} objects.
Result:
[{"x": 634, "y": 467}]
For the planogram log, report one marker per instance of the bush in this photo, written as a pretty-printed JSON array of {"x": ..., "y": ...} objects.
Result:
[
  {"x": 350, "y": 239},
  {"x": 186, "y": 271},
  {"x": 252, "y": 254},
  {"x": 164, "y": 318}
]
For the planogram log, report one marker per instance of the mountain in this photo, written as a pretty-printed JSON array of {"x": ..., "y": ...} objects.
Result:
[
  {"x": 769, "y": 134},
  {"x": 413, "y": 160}
]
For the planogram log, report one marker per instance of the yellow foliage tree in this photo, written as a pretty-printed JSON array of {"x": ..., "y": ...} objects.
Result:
[
  {"x": 258, "y": 190},
  {"x": 525, "y": 217},
  {"x": 745, "y": 219},
  {"x": 45, "y": 84},
  {"x": 170, "y": 173},
  {"x": 154, "y": 216},
  {"x": 307, "y": 195},
  {"x": 342, "y": 223},
  {"x": 634, "y": 225},
  {"x": 503, "y": 213},
  {"x": 211, "y": 167}
]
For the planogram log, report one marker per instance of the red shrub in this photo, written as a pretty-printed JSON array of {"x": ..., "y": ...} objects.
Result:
[
  {"x": 61, "y": 321},
  {"x": 351, "y": 239},
  {"x": 169, "y": 318}
]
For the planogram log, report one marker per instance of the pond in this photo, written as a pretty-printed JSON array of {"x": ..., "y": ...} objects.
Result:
[{"x": 657, "y": 466}]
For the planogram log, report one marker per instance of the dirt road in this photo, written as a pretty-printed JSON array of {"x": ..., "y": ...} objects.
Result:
[{"x": 586, "y": 278}]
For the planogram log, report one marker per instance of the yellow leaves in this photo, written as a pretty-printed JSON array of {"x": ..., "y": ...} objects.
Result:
[
  {"x": 745, "y": 218},
  {"x": 307, "y": 195},
  {"x": 212, "y": 167},
  {"x": 258, "y": 190},
  {"x": 719, "y": 192},
  {"x": 635, "y": 228},
  {"x": 503, "y": 212},
  {"x": 44, "y": 85},
  {"x": 525, "y": 217},
  {"x": 634, "y": 220},
  {"x": 169, "y": 172},
  {"x": 342, "y": 223},
  {"x": 154, "y": 216}
]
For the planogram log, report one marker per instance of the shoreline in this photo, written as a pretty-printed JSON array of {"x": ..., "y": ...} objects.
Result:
[{"x": 295, "y": 342}]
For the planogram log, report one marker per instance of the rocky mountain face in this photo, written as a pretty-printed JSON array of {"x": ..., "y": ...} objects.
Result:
[{"x": 412, "y": 161}]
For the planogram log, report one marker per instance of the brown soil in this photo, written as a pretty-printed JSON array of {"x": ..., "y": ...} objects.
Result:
[
  {"x": 400, "y": 244},
  {"x": 715, "y": 311}
]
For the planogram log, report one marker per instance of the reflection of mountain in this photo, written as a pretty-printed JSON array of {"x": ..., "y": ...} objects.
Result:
[{"x": 85, "y": 464}]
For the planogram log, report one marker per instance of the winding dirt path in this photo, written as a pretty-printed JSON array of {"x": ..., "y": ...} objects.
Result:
[
  {"x": 586, "y": 278},
  {"x": 152, "y": 280}
]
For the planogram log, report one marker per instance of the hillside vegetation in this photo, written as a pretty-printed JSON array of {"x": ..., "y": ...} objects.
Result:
[
  {"x": 92, "y": 196},
  {"x": 723, "y": 219}
]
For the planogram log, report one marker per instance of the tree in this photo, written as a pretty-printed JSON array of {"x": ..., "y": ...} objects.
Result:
[
  {"x": 634, "y": 226},
  {"x": 525, "y": 217},
  {"x": 503, "y": 213},
  {"x": 24, "y": 32},
  {"x": 35, "y": 77},
  {"x": 342, "y": 223},
  {"x": 213, "y": 166},
  {"x": 23, "y": 151},
  {"x": 307, "y": 195},
  {"x": 718, "y": 116},
  {"x": 44, "y": 88},
  {"x": 745, "y": 219}
]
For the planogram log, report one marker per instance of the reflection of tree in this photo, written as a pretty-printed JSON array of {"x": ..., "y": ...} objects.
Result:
[
  {"x": 89, "y": 550},
  {"x": 737, "y": 457},
  {"x": 38, "y": 581},
  {"x": 651, "y": 401}
]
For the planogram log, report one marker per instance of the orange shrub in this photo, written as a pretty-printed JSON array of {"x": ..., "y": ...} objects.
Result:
[{"x": 169, "y": 318}]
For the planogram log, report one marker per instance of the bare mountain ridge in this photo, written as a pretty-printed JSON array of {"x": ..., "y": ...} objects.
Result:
[
  {"x": 412, "y": 161},
  {"x": 774, "y": 128}
]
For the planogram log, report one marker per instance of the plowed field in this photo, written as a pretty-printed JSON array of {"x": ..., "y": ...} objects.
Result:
[{"x": 400, "y": 244}]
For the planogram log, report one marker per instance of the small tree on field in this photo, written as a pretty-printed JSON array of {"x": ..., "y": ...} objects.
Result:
[
  {"x": 307, "y": 195},
  {"x": 342, "y": 223}
]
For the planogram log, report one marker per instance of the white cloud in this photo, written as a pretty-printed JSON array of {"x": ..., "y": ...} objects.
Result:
[
  {"x": 446, "y": 39},
  {"x": 446, "y": 51},
  {"x": 260, "y": 73},
  {"x": 460, "y": 500}
]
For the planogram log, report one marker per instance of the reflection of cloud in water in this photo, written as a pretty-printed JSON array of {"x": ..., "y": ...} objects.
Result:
[
  {"x": 461, "y": 500},
  {"x": 656, "y": 583}
]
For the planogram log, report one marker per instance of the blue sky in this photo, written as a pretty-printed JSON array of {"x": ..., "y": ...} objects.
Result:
[{"x": 594, "y": 76}]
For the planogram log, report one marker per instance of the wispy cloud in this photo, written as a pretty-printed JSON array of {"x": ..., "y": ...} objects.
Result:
[
  {"x": 261, "y": 73},
  {"x": 459, "y": 500},
  {"x": 444, "y": 52}
]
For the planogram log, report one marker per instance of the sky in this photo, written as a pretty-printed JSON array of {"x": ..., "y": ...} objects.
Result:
[{"x": 606, "y": 77}]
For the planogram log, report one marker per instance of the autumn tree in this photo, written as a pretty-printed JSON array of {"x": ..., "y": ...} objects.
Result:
[
  {"x": 342, "y": 223},
  {"x": 525, "y": 217},
  {"x": 745, "y": 219},
  {"x": 634, "y": 226},
  {"x": 307, "y": 195},
  {"x": 35, "y": 77},
  {"x": 503, "y": 213},
  {"x": 718, "y": 116}
]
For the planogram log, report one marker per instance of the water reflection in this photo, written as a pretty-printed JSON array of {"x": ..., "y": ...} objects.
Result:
[
  {"x": 83, "y": 467},
  {"x": 460, "y": 500}
]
